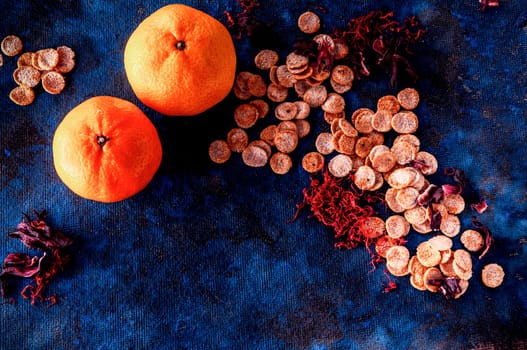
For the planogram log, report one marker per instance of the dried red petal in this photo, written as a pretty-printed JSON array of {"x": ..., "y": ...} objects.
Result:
[
  {"x": 480, "y": 207},
  {"x": 489, "y": 239}
]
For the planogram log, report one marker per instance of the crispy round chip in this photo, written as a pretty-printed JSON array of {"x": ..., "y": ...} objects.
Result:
[
  {"x": 286, "y": 140},
  {"x": 287, "y": 125},
  {"x": 454, "y": 203},
  {"x": 340, "y": 165},
  {"x": 254, "y": 155},
  {"x": 264, "y": 145},
  {"x": 339, "y": 88},
  {"x": 26, "y": 76},
  {"x": 285, "y": 111},
  {"x": 397, "y": 226},
  {"x": 256, "y": 85},
  {"x": 398, "y": 257},
  {"x": 389, "y": 103},
  {"x": 463, "y": 285},
  {"x": 309, "y": 22},
  {"x": 237, "y": 139},
  {"x": 383, "y": 243},
  {"x": 262, "y": 106},
  {"x": 303, "y": 109},
  {"x": 346, "y": 144},
  {"x": 417, "y": 271},
  {"x": 347, "y": 128},
  {"x": 277, "y": 93},
  {"x": 301, "y": 74},
  {"x": 432, "y": 274},
  {"x": 342, "y": 75},
  {"x": 402, "y": 177},
  {"x": 447, "y": 268},
  {"x": 358, "y": 112},
  {"x": 427, "y": 254},
  {"x": 405, "y": 122},
  {"x": 389, "y": 197},
  {"x": 407, "y": 197},
  {"x": 303, "y": 127},
  {"x": 296, "y": 62},
  {"x": 334, "y": 103},
  {"x": 313, "y": 162},
  {"x": 315, "y": 96},
  {"x": 66, "y": 61},
  {"x": 446, "y": 255},
  {"x": 463, "y": 259},
  {"x": 280, "y": 163},
  {"x": 265, "y": 59},
  {"x": 12, "y": 45},
  {"x": 25, "y": 59},
  {"x": 273, "y": 76},
  {"x": 423, "y": 228},
  {"x": 363, "y": 121},
  {"x": 324, "y": 143},
  {"x": 472, "y": 240},
  {"x": 22, "y": 95},
  {"x": 47, "y": 59},
  {"x": 441, "y": 242},
  {"x": 411, "y": 139},
  {"x": 268, "y": 134},
  {"x": 364, "y": 178},
  {"x": 408, "y": 98},
  {"x": 301, "y": 87},
  {"x": 363, "y": 146},
  {"x": 53, "y": 82},
  {"x": 341, "y": 49},
  {"x": 383, "y": 161},
  {"x": 331, "y": 117},
  {"x": 398, "y": 272},
  {"x": 427, "y": 162},
  {"x": 372, "y": 227},
  {"x": 492, "y": 275},
  {"x": 246, "y": 115},
  {"x": 219, "y": 151},
  {"x": 416, "y": 215},
  {"x": 450, "y": 225},
  {"x": 404, "y": 152},
  {"x": 382, "y": 120}
]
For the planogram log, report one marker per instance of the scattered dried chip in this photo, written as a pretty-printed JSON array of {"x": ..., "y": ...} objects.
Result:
[
  {"x": 324, "y": 143},
  {"x": 364, "y": 178},
  {"x": 47, "y": 59},
  {"x": 425, "y": 162},
  {"x": 286, "y": 140},
  {"x": 397, "y": 259},
  {"x": 408, "y": 98},
  {"x": 219, "y": 151},
  {"x": 389, "y": 103},
  {"x": 303, "y": 127},
  {"x": 22, "y": 95},
  {"x": 265, "y": 59},
  {"x": 246, "y": 115},
  {"x": 66, "y": 61},
  {"x": 25, "y": 59},
  {"x": 26, "y": 76},
  {"x": 262, "y": 106},
  {"x": 427, "y": 254},
  {"x": 397, "y": 226},
  {"x": 382, "y": 120},
  {"x": 53, "y": 82},
  {"x": 254, "y": 155},
  {"x": 416, "y": 215},
  {"x": 450, "y": 225},
  {"x": 280, "y": 163},
  {"x": 340, "y": 165},
  {"x": 372, "y": 227},
  {"x": 309, "y": 22},
  {"x": 286, "y": 111},
  {"x": 405, "y": 122},
  {"x": 363, "y": 121},
  {"x": 315, "y": 96},
  {"x": 313, "y": 162},
  {"x": 432, "y": 274},
  {"x": 237, "y": 139},
  {"x": 472, "y": 240},
  {"x": 441, "y": 243},
  {"x": 12, "y": 45},
  {"x": 492, "y": 275},
  {"x": 334, "y": 103},
  {"x": 268, "y": 134},
  {"x": 407, "y": 197},
  {"x": 277, "y": 93},
  {"x": 454, "y": 203}
]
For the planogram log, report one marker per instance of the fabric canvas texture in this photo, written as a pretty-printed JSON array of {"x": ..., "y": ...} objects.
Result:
[{"x": 205, "y": 257}]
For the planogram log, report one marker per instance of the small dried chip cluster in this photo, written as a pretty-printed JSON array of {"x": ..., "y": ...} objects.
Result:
[
  {"x": 46, "y": 66},
  {"x": 301, "y": 73}
]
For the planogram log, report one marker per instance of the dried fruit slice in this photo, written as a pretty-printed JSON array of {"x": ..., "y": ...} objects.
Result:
[
  {"x": 334, "y": 103},
  {"x": 309, "y": 22},
  {"x": 265, "y": 59},
  {"x": 405, "y": 122},
  {"x": 397, "y": 226},
  {"x": 219, "y": 151},
  {"x": 26, "y": 76},
  {"x": 340, "y": 165},
  {"x": 389, "y": 103},
  {"x": 431, "y": 274},
  {"x": 472, "y": 240},
  {"x": 313, "y": 162},
  {"x": 492, "y": 275},
  {"x": 246, "y": 115},
  {"x": 408, "y": 98},
  {"x": 53, "y": 82},
  {"x": 262, "y": 106},
  {"x": 12, "y": 45},
  {"x": 324, "y": 143},
  {"x": 47, "y": 59},
  {"x": 286, "y": 111},
  {"x": 427, "y": 254},
  {"x": 280, "y": 163},
  {"x": 254, "y": 155},
  {"x": 364, "y": 178},
  {"x": 237, "y": 139},
  {"x": 22, "y": 95},
  {"x": 66, "y": 61}
]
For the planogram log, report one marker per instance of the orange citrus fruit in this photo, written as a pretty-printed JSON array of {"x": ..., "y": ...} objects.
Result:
[
  {"x": 180, "y": 61},
  {"x": 106, "y": 149}
]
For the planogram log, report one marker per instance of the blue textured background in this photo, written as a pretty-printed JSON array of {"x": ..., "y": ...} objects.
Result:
[{"x": 203, "y": 258}]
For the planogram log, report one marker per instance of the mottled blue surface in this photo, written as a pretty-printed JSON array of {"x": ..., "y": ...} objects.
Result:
[{"x": 203, "y": 258}]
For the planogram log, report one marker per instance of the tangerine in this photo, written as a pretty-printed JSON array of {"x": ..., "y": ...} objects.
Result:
[
  {"x": 180, "y": 61},
  {"x": 106, "y": 149}
]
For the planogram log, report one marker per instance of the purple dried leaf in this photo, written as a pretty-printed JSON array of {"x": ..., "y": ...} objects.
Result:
[
  {"x": 451, "y": 189},
  {"x": 448, "y": 286},
  {"x": 479, "y": 207},
  {"x": 21, "y": 265},
  {"x": 36, "y": 234},
  {"x": 432, "y": 194},
  {"x": 489, "y": 239}
]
